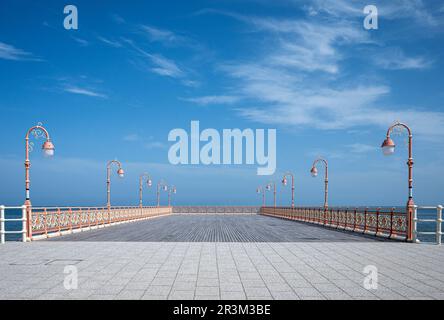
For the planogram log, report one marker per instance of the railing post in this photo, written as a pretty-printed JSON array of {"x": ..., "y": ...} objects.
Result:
[
  {"x": 365, "y": 220},
  {"x": 24, "y": 223},
  {"x": 29, "y": 222},
  {"x": 392, "y": 212},
  {"x": 438, "y": 224},
  {"x": 415, "y": 224},
  {"x": 338, "y": 217},
  {"x": 89, "y": 217},
  {"x": 70, "y": 219},
  {"x": 377, "y": 221},
  {"x": 59, "y": 223},
  {"x": 80, "y": 215},
  {"x": 46, "y": 222},
  {"x": 2, "y": 224}
]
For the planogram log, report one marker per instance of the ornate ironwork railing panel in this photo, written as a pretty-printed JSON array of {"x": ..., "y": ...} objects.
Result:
[
  {"x": 46, "y": 221},
  {"x": 216, "y": 209},
  {"x": 380, "y": 222}
]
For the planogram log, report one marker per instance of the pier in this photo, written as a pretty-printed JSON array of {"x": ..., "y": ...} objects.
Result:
[
  {"x": 215, "y": 253},
  {"x": 215, "y": 228}
]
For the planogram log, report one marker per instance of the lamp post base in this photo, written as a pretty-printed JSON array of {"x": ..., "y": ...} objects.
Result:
[
  {"x": 28, "y": 220},
  {"x": 410, "y": 216}
]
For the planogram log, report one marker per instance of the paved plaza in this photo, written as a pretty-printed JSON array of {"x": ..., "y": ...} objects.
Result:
[{"x": 322, "y": 269}]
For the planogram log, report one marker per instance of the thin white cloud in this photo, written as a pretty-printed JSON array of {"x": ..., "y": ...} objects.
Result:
[
  {"x": 80, "y": 41},
  {"x": 395, "y": 59},
  {"x": 164, "y": 66},
  {"x": 83, "y": 91},
  {"x": 410, "y": 9},
  {"x": 306, "y": 46},
  {"x": 207, "y": 100},
  {"x": 360, "y": 148},
  {"x": 147, "y": 143},
  {"x": 298, "y": 81},
  {"x": 169, "y": 38},
  {"x": 156, "y": 62},
  {"x": 131, "y": 137},
  {"x": 191, "y": 83},
  {"x": 317, "y": 45},
  {"x": 161, "y": 35},
  {"x": 155, "y": 145},
  {"x": 117, "y": 18},
  {"x": 112, "y": 43},
  {"x": 9, "y": 52},
  {"x": 159, "y": 64},
  {"x": 336, "y": 8},
  {"x": 392, "y": 10},
  {"x": 332, "y": 109}
]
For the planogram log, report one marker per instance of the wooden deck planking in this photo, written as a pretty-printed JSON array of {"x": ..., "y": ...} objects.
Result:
[{"x": 215, "y": 228}]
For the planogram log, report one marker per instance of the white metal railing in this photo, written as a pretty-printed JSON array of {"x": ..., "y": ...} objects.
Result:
[
  {"x": 438, "y": 223},
  {"x": 3, "y": 230}
]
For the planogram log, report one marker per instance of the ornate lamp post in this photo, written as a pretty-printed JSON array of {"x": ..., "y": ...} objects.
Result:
[
  {"x": 171, "y": 189},
  {"x": 120, "y": 173},
  {"x": 314, "y": 173},
  {"x": 284, "y": 182},
  {"x": 268, "y": 188},
  {"x": 388, "y": 148},
  {"x": 164, "y": 186},
  {"x": 148, "y": 182},
  {"x": 261, "y": 190},
  {"x": 48, "y": 150}
]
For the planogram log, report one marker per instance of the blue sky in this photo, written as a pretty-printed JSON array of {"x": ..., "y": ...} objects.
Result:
[{"x": 114, "y": 88}]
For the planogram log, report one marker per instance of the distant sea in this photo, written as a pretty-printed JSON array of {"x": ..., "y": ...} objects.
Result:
[{"x": 422, "y": 226}]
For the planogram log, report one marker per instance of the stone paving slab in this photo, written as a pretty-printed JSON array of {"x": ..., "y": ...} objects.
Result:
[
  {"x": 195, "y": 270},
  {"x": 216, "y": 228}
]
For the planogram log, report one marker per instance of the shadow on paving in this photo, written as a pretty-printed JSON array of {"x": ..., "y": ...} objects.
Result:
[{"x": 217, "y": 228}]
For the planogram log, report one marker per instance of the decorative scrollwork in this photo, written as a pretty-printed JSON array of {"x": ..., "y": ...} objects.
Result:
[
  {"x": 400, "y": 132},
  {"x": 37, "y": 134}
]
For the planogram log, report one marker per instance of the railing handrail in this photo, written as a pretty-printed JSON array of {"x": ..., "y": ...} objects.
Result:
[
  {"x": 11, "y": 207},
  {"x": 221, "y": 206},
  {"x": 95, "y": 207},
  {"x": 427, "y": 207},
  {"x": 395, "y": 210},
  {"x": 338, "y": 207}
]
